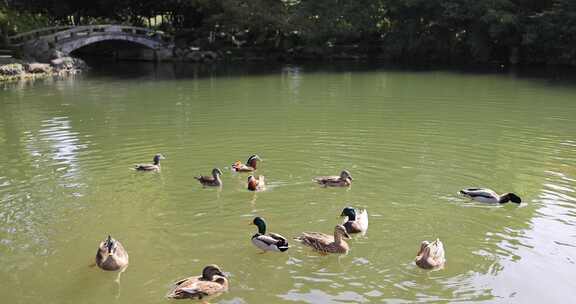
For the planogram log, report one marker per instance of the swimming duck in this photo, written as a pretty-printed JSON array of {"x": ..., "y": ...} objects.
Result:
[
  {"x": 211, "y": 283},
  {"x": 256, "y": 184},
  {"x": 155, "y": 166},
  {"x": 111, "y": 255},
  {"x": 343, "y": 180},
  {"x": 490, "y": 196},
  {"x": 213, "y": 180},
  {"x": 324, "y": 243},
  {"x": 357, "y": 220},
  {"x": 430, "y": 255},
  {"x": 250, "y": 165},
  {"x": 270, "y": 241}
]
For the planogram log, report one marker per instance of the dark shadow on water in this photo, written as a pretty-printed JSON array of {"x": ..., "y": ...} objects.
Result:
[{"x": 551, "y": 75}]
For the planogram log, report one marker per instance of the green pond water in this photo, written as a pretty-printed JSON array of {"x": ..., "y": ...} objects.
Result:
[{"x": 411, "y": 140}]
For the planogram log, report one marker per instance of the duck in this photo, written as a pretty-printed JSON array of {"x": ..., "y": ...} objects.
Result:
[
  {"x": 430, "y": 255},
  {"x": 155, "y": 166},
  {"x": 356, "y": 220},
  {"x": 256, "y": 184},
  {"x": 210, "y": 284},
  {"x": 485, "y": 195},
  {"x": 213, "y": 181},
  {"x": 250, "y": 165},
  {"x": 268, "y": 242},
  {"x": 111, "y": 255},
  {"x": 342, "y": 180},
  {"x": 324, "y": 243}
]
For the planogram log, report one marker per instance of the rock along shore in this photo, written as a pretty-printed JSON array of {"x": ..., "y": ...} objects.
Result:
[{"x": 60, "y": 66}]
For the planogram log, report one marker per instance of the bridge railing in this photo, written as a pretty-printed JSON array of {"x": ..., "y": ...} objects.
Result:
[
  {"x": 35, "y": 34},
  {"x": 60, "y": 34}
]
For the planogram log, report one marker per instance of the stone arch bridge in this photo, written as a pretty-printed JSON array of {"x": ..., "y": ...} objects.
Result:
[{"x": 41, "y": 43}]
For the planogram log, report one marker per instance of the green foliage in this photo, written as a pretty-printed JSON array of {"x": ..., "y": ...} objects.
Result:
[
  {"x": 12, "y": 21},
  {"x": 333, "y": 21},
  {"x": 550, "y": 36},
  {"x": 426, "y": 31}
]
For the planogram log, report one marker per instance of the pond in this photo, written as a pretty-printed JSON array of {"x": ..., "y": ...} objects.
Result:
[{"x": 410, "y": 138}]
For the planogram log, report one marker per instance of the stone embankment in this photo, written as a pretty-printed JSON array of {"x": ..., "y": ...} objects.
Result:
[
  {"x": 194, "y": 54},
  {"x": 57, "y": 66}
]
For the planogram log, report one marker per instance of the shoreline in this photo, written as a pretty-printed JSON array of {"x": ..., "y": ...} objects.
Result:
[
  {"x": 16, "y": 70},
  {"x": 20, "y": 70}
]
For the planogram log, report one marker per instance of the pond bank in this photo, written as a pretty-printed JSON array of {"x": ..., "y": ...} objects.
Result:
[{"x": 19, "y": 70}]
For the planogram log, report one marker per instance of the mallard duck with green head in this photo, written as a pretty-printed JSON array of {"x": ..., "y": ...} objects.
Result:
[
  {"x": 154, "y": 166},
  {"x": 490, "y": 196},
  {"x": 212, "y": 181},
  {"x": 270, "y": 241},
  {"x": 342, "y": 180},
  {"x": 356, "y": 220},
  {"x": 431, "y": 255},
  {"x": 210, "y": 284},
  {"x": 111, "y": 255},
  {"x": 324, "y": 243},
  {"x": 251, "y": 164}
]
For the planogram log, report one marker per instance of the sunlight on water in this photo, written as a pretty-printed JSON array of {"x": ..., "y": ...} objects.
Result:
[{"x": 411, "y": 139}]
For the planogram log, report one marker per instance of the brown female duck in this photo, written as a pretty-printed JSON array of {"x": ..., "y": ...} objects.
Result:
[
  {"x": 111, "y": 255},
  {"x": 211, "y": 283},
  {"x": 324, "y": 243},
  {"x": 213, "y": 181},
  {"x": 343, "y": 180},
  {"x": 250, "y": 165},
  {"x": 430, "y": 255}
]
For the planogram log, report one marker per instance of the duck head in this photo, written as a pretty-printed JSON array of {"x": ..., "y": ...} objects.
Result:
[
  {"x": 340, "y": 231},
  {"x": 210, "y": 271},
  {"x": 253, "y": 160},
  {"x": 260, "y": 223},
  {"x": 157, "y": 158},
  {"x": 345, "y": 175},
  {"x": 350, "y": 213},
  {"x": 216, "y": 172},
  {"x": 510, "y": 197},
  {"x": 423, "y": 246}
]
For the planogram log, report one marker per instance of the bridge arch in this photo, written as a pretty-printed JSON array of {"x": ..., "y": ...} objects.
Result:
[
  {"x": 72, "y": 45},
  {"x": 69, "y": 39}
]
